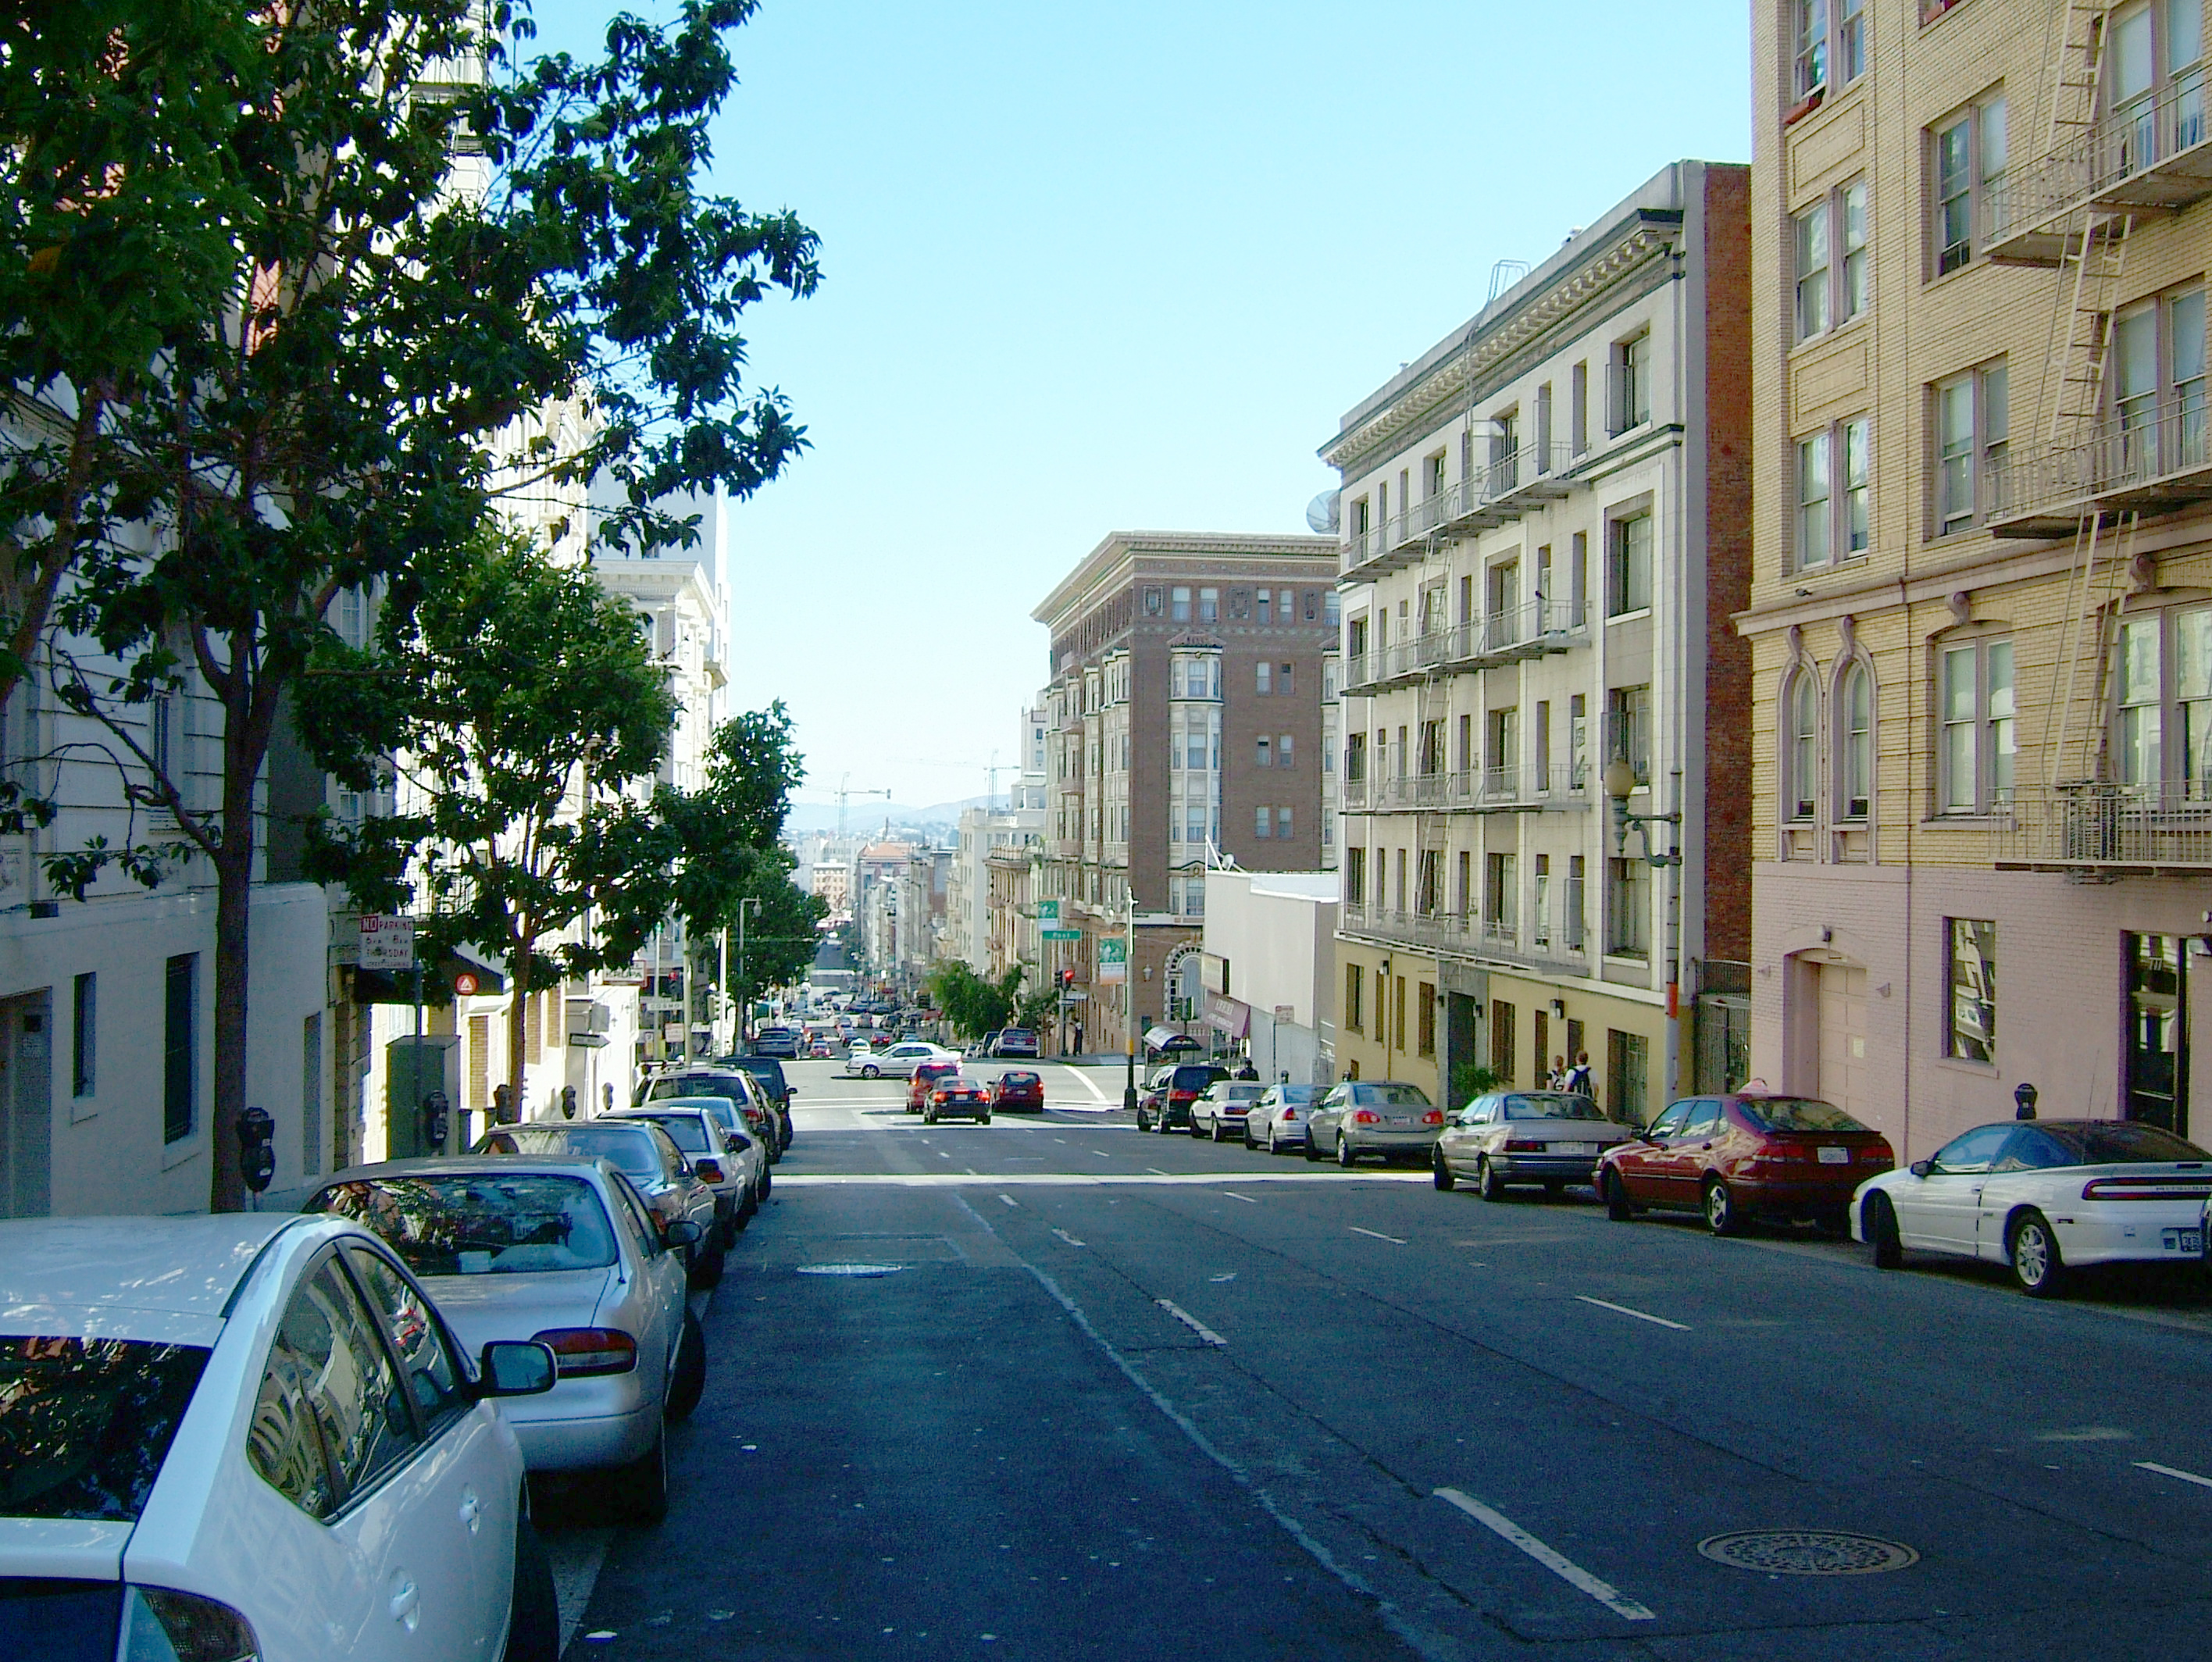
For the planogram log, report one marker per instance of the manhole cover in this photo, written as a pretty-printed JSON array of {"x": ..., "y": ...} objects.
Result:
[
  {"x": 1806, "y": 1552},
  {"x": 850, "y": 1269}
]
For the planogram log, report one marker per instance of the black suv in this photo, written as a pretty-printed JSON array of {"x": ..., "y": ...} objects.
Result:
[
  {"x": 1166, "y": 1105},
  {"x": 768, "y": 1074}
]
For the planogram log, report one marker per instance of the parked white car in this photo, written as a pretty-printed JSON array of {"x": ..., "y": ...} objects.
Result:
[
  {"x": 254, "y": 1436},
  {"x": 897, "y": 1061},
  {"x": 560, "y": 1249},
  {"x": 2044, "y": 1196}
]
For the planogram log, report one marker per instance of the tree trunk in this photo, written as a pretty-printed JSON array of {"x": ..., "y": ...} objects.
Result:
[
  {"x": 517, "y": 1022},
  {"x": 234, "y": 878}
]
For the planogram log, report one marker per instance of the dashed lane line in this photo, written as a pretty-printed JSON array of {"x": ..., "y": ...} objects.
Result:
[
  {"x": 1623, "y": 1310},
  {"x": 1393, "y": 1239},
  {"x": 1566, "y": 1569},
  {"x": 1009, "y": 1200},
  {"x": 1068, "y": 1238},
  {"x": 1206, "y": 1334},
  {"x": 1247, "y": 1199},
  {"x": 2174, "y": 1471}
]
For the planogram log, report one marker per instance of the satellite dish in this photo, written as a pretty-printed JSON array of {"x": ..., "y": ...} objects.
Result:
[{"x": 1320, "y": 513}]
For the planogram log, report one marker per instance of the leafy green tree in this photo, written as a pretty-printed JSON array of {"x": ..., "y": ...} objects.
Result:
[
  {"x": 975, "y": 1004},
  {"x": 366, "y": 390},
  {"x": 525, "y": 707}
]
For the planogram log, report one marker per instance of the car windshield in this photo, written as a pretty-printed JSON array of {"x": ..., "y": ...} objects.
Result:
[
  {"x": 1244, "y": 1093},
  {"x": 2117, "y": 1142},
  {"x": 1796, "y": 1114},
  {"x": 1018, "y": 1079},
  {"x": 1296, "y": 1094},
  {"x": 629, "y": 1152},
  {"x": 763, "y": 1067},
  {"x": 1196, "y": 1079},
  {"x": 86, "y": 1424},
  {"x": 1551, "y": 1105},
  {"x": 1017, "y": 1036},
  {"x": 1391, "y": 1096},
  {"x": 480, "y": 1224},
  {"x": 683, "y": 1130}
]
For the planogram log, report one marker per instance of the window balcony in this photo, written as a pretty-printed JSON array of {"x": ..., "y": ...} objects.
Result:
[
  {"x": 1530, "y": 789},
  {"x": 2153, "y": 460},
  {"x": 1491, "y": 940},
  {"x": 2101, "y": 831},
  {"x": 2153, "y": 157},
  {"x": 1531, "y": 629},
  {"x": 1355, "y": 793},
  {"x": 1521, "y": 479}
]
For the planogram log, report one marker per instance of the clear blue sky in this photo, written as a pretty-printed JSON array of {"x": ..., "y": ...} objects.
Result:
[{"x": 1090, "y": 268}]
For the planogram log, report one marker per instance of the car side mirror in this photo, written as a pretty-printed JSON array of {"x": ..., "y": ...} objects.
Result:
[
  {"x": 682, "y": 1232},
  {"x": 791, "y": 1090},
  {"x": 1921, "y": 1167},
  {"x": 516, "y": 1367}
]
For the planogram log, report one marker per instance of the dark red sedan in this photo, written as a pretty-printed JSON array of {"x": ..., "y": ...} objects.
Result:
[
  {"x": 1738, "y": 1157},
  {"x": 955, "y": 1094},
  {"x": 1019, "y": 1088},
  {"x": 925, "y": 1074}
]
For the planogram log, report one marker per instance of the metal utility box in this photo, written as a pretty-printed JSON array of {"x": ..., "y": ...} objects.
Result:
[{"x": 403, "y": 1093}]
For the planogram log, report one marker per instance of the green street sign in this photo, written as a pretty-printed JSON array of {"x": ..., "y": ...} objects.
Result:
[
  {"x": 1063, "y": 934},
  {"x": 1113, "y": 949},
  {"x": 1048, "y": 910}
]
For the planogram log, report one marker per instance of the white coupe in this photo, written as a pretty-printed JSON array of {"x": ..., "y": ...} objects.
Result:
[{"x": 2044, "y": 1196}]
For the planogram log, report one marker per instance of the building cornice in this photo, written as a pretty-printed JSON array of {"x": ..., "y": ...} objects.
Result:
[{"x": 1118, "y": 556}]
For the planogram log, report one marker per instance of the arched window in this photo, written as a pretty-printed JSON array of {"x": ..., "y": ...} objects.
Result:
[
  {"x": 1857, "y": 719},
  {"x": 1804, "y": 752}
]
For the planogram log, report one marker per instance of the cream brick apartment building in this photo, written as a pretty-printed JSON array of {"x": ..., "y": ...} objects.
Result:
[
  {"x": 1981, "y": 616},
  {"x": 1185, "y": 720},
  {"x": 1546, "y": 538}
]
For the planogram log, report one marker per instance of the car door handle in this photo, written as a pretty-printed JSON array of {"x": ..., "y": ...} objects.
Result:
[
  {"x": 406, "y": 1600},
  {"x": 471, "y": 1508}
]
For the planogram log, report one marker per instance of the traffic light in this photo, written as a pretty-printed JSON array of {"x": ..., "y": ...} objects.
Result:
[
  {"x": 257, "y": 1147},
  {"x": 1067, "y": 979}
]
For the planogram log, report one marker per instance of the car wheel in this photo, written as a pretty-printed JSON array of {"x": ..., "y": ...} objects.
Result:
[
  {"x": 533, "y": 1610},
  {"x": 929, "y": 1116},
  {"x": 1274, "y": 1144},
  {"x": 1879, "y": 1222},
  {"x": 1346, "y": 1156},
  {"x": 1616, "y": 1200},
  {"x": 2034, "y": 1251},
  {"x": 1143, "y": 1124},
  {"x": 1220, "y": 1132},
  {"x": 707, "y": 1272},
  {"x": 766, "y": 1182},
  {"x": 639, "y": 1489},
  {"x": 1486, "y": 1183},
  {"x": 687, "y": 1376},
  {"x": 1722, "y": 1216},
  {"x": 1312, "y": 1151},
  {"x": 1440, "y": 1171},
  {"x": 1249, "y": 1143},
  {"x": 871, "y": 1071},
  {"x": 983, "y": 1119}
]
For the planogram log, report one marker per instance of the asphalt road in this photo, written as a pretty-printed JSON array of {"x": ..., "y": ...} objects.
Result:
[{"x": 1099, "y": 1394}]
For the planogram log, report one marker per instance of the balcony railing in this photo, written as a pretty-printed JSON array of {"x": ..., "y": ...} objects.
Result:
[
  {"x": 2153, "y": 155},
  {"x": 2164, "y": 826},
  {"x": 2152, "y": 459},
  {"x": 1482, "y": 790},
  {"x": 1529, "y": 629},
  {"x": 1514, "y": 482},
  {"x": 1494, "y": 938}
]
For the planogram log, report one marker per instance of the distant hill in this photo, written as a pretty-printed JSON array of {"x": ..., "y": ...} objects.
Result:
[{"x": 865, "y": 812}]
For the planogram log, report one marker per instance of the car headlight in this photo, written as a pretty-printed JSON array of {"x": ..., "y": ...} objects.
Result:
[{"x": 162, "y": 1625}]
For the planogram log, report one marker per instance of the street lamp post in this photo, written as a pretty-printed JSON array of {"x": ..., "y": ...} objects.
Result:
[
  {"x": 1129, "y": 1000},
  {"x": 738, "y": 1036},
  {"x": 1620, "y": 781}
]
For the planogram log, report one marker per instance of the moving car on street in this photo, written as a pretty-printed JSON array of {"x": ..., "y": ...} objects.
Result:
[
  {"x": 2044, "y": 1196},
  {"x": 1166, "y": 1105},
  {"x": 559, "y": 1250},
  {"x": 1548, "y": 1137},
  {"x": 1220, "y": 1109},
  {"x": 1737, "y": 1157},
  {"x": 1018, "y": 1088},
  {"x": 1384, "y": 1116},
  {"x": 897, "y": 1061},
  {"x": 252, "y": 1436},
  {"x": 951, "y": 1095},
  {"x": 1277, "y": 1118},
  {"x": 924, "y": 1075},
  {"x": 1014, "y": 1043},
  {"x": 776, "y": 1042}
]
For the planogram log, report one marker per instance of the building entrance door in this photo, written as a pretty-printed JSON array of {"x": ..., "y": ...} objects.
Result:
[
  {"x": 26, "y": 1106},
  {"x": 1843, "y": 1037},
  {"x": 2158, "y": 1032}
]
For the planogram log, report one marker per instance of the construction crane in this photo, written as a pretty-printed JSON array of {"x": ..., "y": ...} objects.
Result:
[{"x": 843, "y": 794}]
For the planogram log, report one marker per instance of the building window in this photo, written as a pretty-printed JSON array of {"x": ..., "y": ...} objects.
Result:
[
  {"x": 1802, "y": 752},
  {"x": 84, "y": 1035},
  {"x": 1355, "y": 758},
  {"x": 1628, "y": 909},
  {"x": 1831, "y": 40},
  {"x": 1834, "y": 523},
  {"x": 1628, "y": 721},
  {"x": 1968, "y": 161},
  {"x": 1816, "y": 503},
  {"x": 1262, "y": 822},
  {"x": 1971, "y": 987},
  {"x": 2154, "y": 46},
  {"x": 1260, "y": 747},
  {"x": 1179, "y": 605},
  {"x": 2158, "y": 386},
  {"x": 1501, "y": 896},
  {"x": 1628, "y": 1072},
  {"x": 1629, "y": 405},
  {"x": 1975, "y": 684},
  {"x": 1263, "y": 674},
  {"x": 1855, "y": 709},
  {"x": 1240, "y": 602},
  {"x": 1355, "y": 877},
  {"x": 1973, "y": 424},
  {"x": 180, "y": 1049},
  {"x": 1283, "y": 752},
  {"x": 1426, "y": 1028},
  {"x": 1282, "y": 680},
  {"x": 1501, "y": 1040},
  {"x": 1814, "y": 277},
  {"x": 1332, "y": 608},
  {"x": 1832, "y": 244},
  {"x": 1282, "y": 823},
  {"x": 2163, "y": 737},
  {"x": 1209, "y": 605},
  {"x": 1628, "y": 564},
  {"x": 1355, "y": 985},
  {"x": 1154, "y": 601}
]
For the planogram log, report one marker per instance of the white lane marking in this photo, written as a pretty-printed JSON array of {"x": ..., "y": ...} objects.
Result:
[
  {"x": 1377, "y": 1234},
  {"x": 1205, "y": 1333},
  {"x": 1156, "y": 1171},
  {"x": 1572, "y": 1573},
  {"x": 1247, "y": 1199},
  {"x": 2174, "y": 1471},
  {"x": 1009, "y": 1200},
  {"x": 1084, "y": 1080},
  {"x": 1067, "y": 1237},
  {"x": 1622, "y": 1309},
  {"x": 1084, "y": 1180},
  {"x": 1101, "y": 1154},
  {"x": 577, "y": 1556}
]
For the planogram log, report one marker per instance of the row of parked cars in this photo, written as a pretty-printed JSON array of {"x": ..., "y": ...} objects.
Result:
[
  {"x": 362, "y": 1390},
  {"x": 2041, "y": 1197}
]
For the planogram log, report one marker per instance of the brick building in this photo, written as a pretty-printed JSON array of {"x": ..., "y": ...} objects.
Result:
[
  {"x": 1981, "y": 616},
  {"x": 1544, "y": 540},
  {"x": 1184, "y": 720}
]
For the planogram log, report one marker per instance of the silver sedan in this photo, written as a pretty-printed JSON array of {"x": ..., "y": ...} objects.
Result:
[
  {"x": 1278, "y": 1120},
  {"x": 1385, "y": 1117},
  {"x": 1550, "y": 1138},
  {"x": 562, "y": 1250}
]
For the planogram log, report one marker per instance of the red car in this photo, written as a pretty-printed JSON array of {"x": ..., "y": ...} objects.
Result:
[
  {"x": 1019, "y": 1089},
  {"x": 1737, "y": 1157},
  {"x": 924, "y": 1075},
  {"x": 955, "y": 1094}
]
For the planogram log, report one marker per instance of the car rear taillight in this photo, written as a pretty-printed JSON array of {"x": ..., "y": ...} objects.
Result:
[
  {"x": 1290, "y": 1114},
  {"x": 1367, "y": 1117},
  {"x": 1183, "y": 1097},
  {"x": 161, "y": 1623},
  {"x": 1524, "y": 1145},
  {"x": 2146, "y": 1188},
  {"x": 579, "y": 1352},
  {"x": 710, "y": 1171},
  {"x": 1433, "y": 1117}
]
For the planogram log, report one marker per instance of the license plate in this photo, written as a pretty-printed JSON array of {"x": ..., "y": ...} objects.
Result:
[
  {"x": 1574, "y": 1148},
  {"x": 1835, "y": 1156},
  {"x": 2182, "y": 1240}
]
